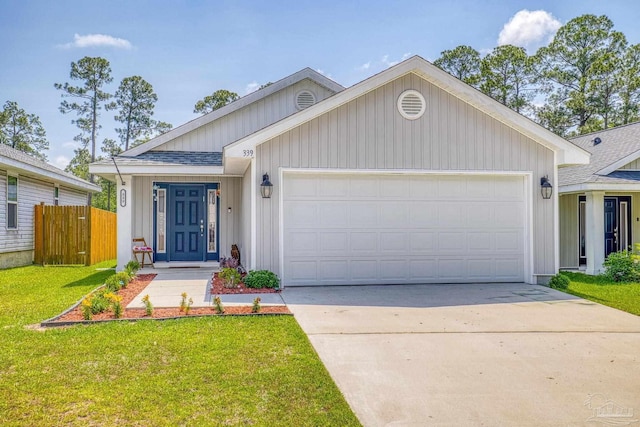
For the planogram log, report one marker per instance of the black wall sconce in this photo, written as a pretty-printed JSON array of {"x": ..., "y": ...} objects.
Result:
[
  {"x": 266, "y": 188},
  {"x": 546, "y": 189}
]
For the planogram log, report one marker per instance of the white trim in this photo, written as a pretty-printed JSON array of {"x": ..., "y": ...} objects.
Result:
[
  {"x": 556, "y": 217},
  {"x": 254, "y": 217},
  {"x": 619, "y": 163},
  {"x": 155, "y": 170},
  {"x": 568, "y": 153},
  {"x": 164, "y": 191},
  {"x": 306, "y": 73},
  {"x": 423, "y": 106},
  {"x": 626, "y": 223},
  {"x": 580, "y": 234},
  {"x": 13, "y": 202},
  {"x": 600, "y": 186},
  {"x": 528, "y": 260},
  {"x": 35, "y": 171}
]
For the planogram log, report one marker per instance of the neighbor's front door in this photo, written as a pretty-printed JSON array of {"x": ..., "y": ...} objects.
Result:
[
  {"x": 617, "y": 230},
  {"x": 187, "y": 237}
]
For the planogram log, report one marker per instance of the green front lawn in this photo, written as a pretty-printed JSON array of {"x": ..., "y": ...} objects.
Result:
[
  {"x": 623, "y": 296},
  {"x": 208, "y": 371}
]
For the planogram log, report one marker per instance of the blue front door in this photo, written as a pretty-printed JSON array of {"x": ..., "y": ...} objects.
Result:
[
  {"x": 610, "y": 225},
  {"x": 186, "y": 234}
]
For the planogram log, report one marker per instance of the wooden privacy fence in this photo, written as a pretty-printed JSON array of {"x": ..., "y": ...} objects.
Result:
[{"x": 73, "y": 235}]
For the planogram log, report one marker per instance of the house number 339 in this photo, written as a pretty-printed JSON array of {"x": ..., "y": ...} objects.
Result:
[{"x": 247, "y": 153}]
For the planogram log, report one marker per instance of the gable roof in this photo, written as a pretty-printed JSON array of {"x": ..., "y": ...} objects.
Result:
[
  {"x": 566, "y": 152},
  {"x": 618, "y": 147},
  {"x": 21, "y": 162},
  {"x": 306, "y": 73}
]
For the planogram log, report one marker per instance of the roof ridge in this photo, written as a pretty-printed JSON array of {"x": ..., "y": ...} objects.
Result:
[{"x": 605, "y": 130}]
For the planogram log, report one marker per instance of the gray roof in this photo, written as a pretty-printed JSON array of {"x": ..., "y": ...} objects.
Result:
[
  {"x": 187, "y": 158},
  {"x": 21, "y": 161},
  {"x": 616, "y": 143}
]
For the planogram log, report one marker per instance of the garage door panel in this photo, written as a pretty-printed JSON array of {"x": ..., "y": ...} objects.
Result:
[{"x": 377, "y": 229}]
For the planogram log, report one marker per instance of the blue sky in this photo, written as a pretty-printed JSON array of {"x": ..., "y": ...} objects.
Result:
[{"x": 188, "y": 49}]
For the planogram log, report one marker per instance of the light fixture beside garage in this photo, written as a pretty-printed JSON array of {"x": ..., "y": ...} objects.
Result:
[
  {"x": 266, "y": 188},
  {"x": 546, "y": 189}
]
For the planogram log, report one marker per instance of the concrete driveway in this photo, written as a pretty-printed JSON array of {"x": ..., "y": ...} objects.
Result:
[{"x": 484, "y": 354}]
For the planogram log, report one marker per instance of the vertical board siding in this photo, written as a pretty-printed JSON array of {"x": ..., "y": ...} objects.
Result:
[
  {"x": 634, "y": 165},
  {"x": 569, "y": 231},
  {"x": 215, "y": 135},
  {"x": 370, "y": 133},
  {"x": 245, "y": 219},
  {"x": 230, "y": 196},
  {"x": 69, "y": 196}
]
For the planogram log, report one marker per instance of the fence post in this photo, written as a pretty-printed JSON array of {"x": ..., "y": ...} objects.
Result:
[{"x": 38, "y": 233}]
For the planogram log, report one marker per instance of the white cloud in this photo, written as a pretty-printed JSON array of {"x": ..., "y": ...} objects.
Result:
[
  {"x": 96, "y": 40},
  {"x": 251, "y": 87},
  {"x": 529, "y": 29},
  {"x": 71, "y": 144},
  {"x": 61, "y": 162},
  {"x": 323, "y": 73},
  {"x": 365, "y": 66},
  {"x": 385, "y": 60}
]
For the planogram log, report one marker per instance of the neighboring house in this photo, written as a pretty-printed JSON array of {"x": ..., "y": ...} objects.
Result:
[
  {"x": 600, "y": 201},
  {"x": 410, "y": 176},
  {"x": 24, "y": 183}
]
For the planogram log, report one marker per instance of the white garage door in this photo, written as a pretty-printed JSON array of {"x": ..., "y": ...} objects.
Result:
[{"x": 388, "y": 229}]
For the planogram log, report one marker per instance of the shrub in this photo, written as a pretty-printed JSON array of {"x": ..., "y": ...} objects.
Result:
[
  {"x": 621, "y": 267},
  {"x": 99, "y": 303},
  {"x": 132, "y": 267},
  {"x": 148, "y": 307},
  {"x": 123, "y": 278},
  {"x": 183, "y": 301},
  {"x": 112, "y": 283},
  {"x": 230, "y": 277},
  {"x": 86, "y": 308},
  {"x": 229, "y": 262},
  {"x": 261, "y": 279},
  {"x": 559, "y": 281}
]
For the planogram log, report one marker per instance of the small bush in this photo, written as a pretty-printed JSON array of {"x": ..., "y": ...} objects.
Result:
[
  {"x": 99, "y": 303},
  {"x": 261, "y": 279},
  {"x": 229, "y": 262},
  {"x": 123, "y": 278},
  {"x": 621, "y": 267},
  {"x": 255, "y": 308},
  {"x": 148, "y": 307},
  {"x": 112, "y": 283},
  {"x": 86, "y": 309},
  {"x": 132, "y": 267},
  {"x": 230, "y": 277},
  {"x": 559, "y": 281},
  {"x": 218, "y": 304},
  {"x": 183, "y": 301}
]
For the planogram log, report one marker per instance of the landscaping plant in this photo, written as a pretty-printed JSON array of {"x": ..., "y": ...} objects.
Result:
[
  {"x": 147, "y": 305},
  {"x": 622, "y": 267},
  {"x": 187, "y": 308},
  {"x": 112, "y": 284},
  {"x": 230, "y": 277},
  {"x": 559, "y": 281},
  {"x": 183, "y": 301},
  {"x": 256, "y": 305},
  {"x": 217, "y": 302},
  {"x": 132, "y": 267},
  {"x": 123, "y": 278},
  {"x": 261, "y": 279},
  {"x": 86, "y": 308}
]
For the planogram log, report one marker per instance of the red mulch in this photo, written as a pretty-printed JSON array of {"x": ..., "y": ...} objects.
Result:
[
  {"x": 137, "y": 285},
  {"x": 217, "y": 288}
]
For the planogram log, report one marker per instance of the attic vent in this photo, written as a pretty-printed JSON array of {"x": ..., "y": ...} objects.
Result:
[
  {"x": 305, "y": 99},
  {"x": 411, "y": 104},
  {"x": 597, "y": 141}
]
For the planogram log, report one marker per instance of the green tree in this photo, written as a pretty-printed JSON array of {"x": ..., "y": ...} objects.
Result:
[
  {"x": 217, "y": 99},
  {"x": 94, "y": 74},
  {"x": 22, "y": 131},
  {"x": 79, "y": 164},
  {"x": 572, "y": 63},
  {"x": 629, "y": 84},
  {"x": 136, "y": 101},
  {"x": 462, "y": 62},
  {"x": 507, "y": 75}
]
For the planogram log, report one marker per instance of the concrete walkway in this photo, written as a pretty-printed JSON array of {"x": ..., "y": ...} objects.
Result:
[
  {"x": 484, "y": 354},
  {"x": 166, "y": 289}
]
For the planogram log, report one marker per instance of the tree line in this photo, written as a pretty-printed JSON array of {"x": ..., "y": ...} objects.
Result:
[{"x": 586, "y": 79}]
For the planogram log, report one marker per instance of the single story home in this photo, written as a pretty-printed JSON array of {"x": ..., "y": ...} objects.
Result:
[
  {"x": 410, "y": 176},
  {"x": 600, "y": 201},
  {"x": 25, "y": 182}
]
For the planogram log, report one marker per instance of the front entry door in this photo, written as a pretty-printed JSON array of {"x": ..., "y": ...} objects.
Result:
[
  {"x": 617, "y": 230},
  {"x": 187, "y": 223}
]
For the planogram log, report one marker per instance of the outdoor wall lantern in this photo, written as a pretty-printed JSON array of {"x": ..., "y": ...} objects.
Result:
[
  {"x": 546, "y": 189},
  {"x": 266, "y": 188}
]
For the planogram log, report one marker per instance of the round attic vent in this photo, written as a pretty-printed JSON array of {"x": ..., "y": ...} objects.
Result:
[
  {"x": 305, "y": 99},
  {"x": 411, "y": 104}
]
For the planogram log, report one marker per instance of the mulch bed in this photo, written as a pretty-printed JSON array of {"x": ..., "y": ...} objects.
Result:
[
  {"x": 217, "y": 288},
  {"x": 137, "y": 285}
]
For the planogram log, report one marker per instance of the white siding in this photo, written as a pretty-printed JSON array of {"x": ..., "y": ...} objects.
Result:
[
  {"x": 230, "y": 195},
  {"x": 215, "y": 135},
  {"x": 569, "y": 231},
  {"x": 70, "y": 197},
  {"x": 370, "y": 133},
  {"x": 634, "y": 165}
]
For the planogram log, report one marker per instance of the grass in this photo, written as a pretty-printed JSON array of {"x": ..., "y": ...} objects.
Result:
[
  {"x": 623, "y": 296},
  {"x": 203, "y": 371}
]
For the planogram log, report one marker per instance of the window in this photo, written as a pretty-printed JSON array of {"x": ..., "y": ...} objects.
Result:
[
  {"x": 582, "y": 230},
  {"x": 161, "y": 220},
  {"x": 12, "y": 202},
  {"x": 56, "y": 194},
  {"x": 211, "y": 222},
  {"x": 623, "y": 226}
]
